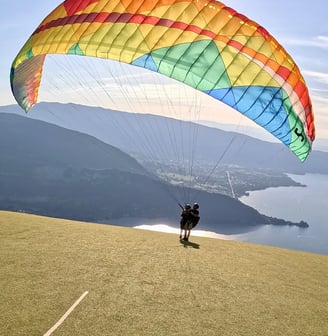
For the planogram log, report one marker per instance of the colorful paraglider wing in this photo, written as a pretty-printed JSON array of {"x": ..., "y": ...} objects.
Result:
[{"x": 201, "y": 43}]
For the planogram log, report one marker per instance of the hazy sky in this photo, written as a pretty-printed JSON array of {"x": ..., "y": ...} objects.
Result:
[{"x": 301, "y": 26}]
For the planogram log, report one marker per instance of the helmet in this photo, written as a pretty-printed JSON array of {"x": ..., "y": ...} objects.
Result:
[
  {"x": 196, "y": 205},
  {"x": 187, "y": 206}
]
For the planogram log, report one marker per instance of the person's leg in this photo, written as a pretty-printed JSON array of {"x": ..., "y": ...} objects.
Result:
[
  {"x": 185, "y": 236},
  {"x": 188, "y": 234},
  {"x": 181, "y": 228}
]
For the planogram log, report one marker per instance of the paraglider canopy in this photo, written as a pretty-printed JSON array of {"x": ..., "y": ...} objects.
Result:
[{"x": 202, "y": 43}]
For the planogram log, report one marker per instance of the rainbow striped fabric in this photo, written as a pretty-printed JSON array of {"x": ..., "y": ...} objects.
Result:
[{"x": 201, "y": 43}]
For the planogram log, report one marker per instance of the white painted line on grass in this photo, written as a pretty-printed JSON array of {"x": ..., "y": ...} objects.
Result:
[{"x": 63, "y": 318}]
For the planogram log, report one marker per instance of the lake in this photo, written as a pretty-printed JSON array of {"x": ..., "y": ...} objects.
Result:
[{"x": 308, "y": 203}]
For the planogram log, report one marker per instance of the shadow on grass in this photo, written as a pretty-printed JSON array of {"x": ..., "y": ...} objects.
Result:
[{"x": 186, "y": 244}]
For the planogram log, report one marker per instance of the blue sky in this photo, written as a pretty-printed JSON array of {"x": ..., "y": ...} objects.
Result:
[{"x": 301, "y": 26}]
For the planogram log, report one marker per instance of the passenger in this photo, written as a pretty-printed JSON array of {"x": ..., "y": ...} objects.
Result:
[
  {"x": 185, "y": 222},
  {"x": 195, "y": 215}
]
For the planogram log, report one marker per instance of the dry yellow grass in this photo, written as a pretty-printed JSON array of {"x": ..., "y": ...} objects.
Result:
[{"x": 148, "y": 283}]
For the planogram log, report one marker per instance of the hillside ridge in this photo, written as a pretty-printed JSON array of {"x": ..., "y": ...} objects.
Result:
[{"x": 147, "y": 283}]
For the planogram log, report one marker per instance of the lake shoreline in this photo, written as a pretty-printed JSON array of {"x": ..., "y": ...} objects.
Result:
[{"x": 291, "y": 203}]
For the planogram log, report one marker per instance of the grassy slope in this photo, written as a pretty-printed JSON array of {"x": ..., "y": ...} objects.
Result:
[{"x": 147, "y": 283}]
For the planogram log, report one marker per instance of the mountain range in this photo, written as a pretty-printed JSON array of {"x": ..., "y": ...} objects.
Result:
[
  {"x": 49, "y": 170},
  {"x": 176, "y": 140}
]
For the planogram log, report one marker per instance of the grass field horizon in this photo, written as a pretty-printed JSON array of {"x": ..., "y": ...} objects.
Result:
[{"x": 147, "y": 283}]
